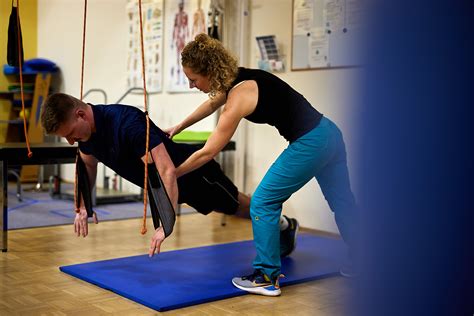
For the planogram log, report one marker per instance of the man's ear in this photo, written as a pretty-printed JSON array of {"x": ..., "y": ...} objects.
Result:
[{"x": 80, "y": 113}]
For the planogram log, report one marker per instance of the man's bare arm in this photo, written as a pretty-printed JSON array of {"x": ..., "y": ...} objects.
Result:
[{"x": 166, "y": 169}]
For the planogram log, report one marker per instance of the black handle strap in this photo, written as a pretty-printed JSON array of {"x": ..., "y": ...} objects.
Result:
[
  {"x": 83, "y": 187},
  {"x": 160, "y": 204}
]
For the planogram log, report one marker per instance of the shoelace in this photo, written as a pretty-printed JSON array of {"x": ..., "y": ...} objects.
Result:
[
  {"x": 253, "y": 276},
  {"x": 257, "y": 273}
]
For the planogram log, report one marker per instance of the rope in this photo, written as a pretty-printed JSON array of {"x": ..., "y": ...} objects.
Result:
[
  {"x": 83, "y": 47},
  {"x": 76, "y": 176},
  {"x": 145, "y": 185},
  {"x": 20, "y": 59}
]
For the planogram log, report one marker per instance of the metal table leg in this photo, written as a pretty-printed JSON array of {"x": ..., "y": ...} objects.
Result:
[{"x": 3, "y": 206}]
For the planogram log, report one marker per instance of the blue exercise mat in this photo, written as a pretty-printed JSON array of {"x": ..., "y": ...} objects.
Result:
[{"x": 180, "y": 278}]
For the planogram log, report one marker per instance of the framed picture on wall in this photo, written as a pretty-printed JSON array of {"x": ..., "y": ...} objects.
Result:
[
  {"x": 184, "y": 19},
  {"x": 152, "y": 20}
]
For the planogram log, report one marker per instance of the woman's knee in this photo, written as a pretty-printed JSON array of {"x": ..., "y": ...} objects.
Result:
[
  {"x": 257, "y": 204},
  {"x": 265, "y": 210}
]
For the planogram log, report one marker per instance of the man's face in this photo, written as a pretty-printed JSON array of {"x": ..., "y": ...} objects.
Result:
[{"x": 76, "y": 129}]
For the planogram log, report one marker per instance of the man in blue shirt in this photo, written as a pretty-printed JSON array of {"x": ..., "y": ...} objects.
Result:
[{"x": 115, "y": 135}]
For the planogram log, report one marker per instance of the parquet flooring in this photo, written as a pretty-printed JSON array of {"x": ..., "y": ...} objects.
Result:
[{"x": 31, "y": 283}]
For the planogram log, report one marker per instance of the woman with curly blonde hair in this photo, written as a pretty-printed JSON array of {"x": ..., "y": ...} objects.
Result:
[
  {"x": 207, "y": 56},
  {"x": 316, "y": 150}
]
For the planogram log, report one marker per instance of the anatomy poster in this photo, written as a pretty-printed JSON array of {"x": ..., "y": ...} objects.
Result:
[
  {"x": 184, "y": 20},
  {"x": 152, "y": 20}
]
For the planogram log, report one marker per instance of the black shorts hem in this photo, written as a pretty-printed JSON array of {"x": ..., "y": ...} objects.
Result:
[{"x": 208, "y": 189}]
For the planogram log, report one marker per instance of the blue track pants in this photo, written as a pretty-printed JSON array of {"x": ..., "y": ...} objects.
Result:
[{"x": 321, "y": 154}]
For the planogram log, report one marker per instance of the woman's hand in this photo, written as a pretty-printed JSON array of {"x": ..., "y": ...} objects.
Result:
[{"x": 170, "y": 132}]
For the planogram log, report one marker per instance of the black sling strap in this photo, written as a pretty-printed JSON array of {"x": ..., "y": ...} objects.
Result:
[
  {"x": 14, "y": 35},
  {"x": 162, "y": 210},
  {"x": 83, "y": 187},
  {"x": 160, "y": 204}
]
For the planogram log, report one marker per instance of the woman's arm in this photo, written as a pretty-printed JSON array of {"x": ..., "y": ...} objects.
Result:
[
  {"x": 204, "y": 110},
  {"x": 241, "y": 102}
]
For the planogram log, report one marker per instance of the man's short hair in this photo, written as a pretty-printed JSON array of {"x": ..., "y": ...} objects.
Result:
[{"x": 56, "y": 110}]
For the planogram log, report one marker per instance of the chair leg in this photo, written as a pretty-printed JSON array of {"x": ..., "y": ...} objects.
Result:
[
  {"x": 18, "y": 190},
  {"x": 18, "y": 184}
]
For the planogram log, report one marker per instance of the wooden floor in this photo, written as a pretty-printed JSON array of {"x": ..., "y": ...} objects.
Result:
[{"x": 31, "y": 283}]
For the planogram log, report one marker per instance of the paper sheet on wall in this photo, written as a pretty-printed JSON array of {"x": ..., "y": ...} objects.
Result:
[
  {"x": 318, "y": 48},
  {"x": 334, "y": 13},
  {"x": 303, "y": 17},
  {"x": 152, "y": 11},
  {"x": 325, "y": 32},
  {"x": 354, "y": 13}
]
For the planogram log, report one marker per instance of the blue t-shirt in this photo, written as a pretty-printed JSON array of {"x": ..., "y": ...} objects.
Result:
[{"x": 120, "y": 137}]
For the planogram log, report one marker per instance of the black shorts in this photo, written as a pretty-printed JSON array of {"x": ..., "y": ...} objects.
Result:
[{"x": 208, "y": 189}]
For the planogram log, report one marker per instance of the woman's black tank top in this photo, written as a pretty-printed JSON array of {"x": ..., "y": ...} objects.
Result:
[{"x": 279, "y": 105}]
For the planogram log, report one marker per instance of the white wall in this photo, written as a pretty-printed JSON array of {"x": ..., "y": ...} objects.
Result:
[
  {"x": 60, "y": 39},
  {"x": 330, "y": 91}
]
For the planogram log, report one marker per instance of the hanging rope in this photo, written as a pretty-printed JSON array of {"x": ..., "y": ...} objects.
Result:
[
  {"x": 20, "y": 59},
  {"x": 145, "y": 185},
  {"x": 83, "y": 47},
  {"x": 76, "y": 204}
]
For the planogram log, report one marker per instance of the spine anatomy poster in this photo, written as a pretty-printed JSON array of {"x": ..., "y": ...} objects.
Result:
[{"x": 152, "y": 21}]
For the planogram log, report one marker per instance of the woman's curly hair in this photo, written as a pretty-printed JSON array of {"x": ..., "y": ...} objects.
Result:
[{"x": 207, "y": 56}]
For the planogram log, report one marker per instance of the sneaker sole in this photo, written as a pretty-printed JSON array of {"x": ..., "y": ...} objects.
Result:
[{"x": 258, "y": 290}]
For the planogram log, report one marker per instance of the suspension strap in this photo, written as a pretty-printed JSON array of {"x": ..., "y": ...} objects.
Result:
[
  {"x": 16, "y": 11},
  {"x": 77, "y": 202},
  {"x": 145, "y": 180},
  {"x": 160, "y": 204},
  {"x": 84, "y": 189}
]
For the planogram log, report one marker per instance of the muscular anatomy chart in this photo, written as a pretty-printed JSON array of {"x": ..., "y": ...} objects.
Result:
[{"x": 184, "y": 20}]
